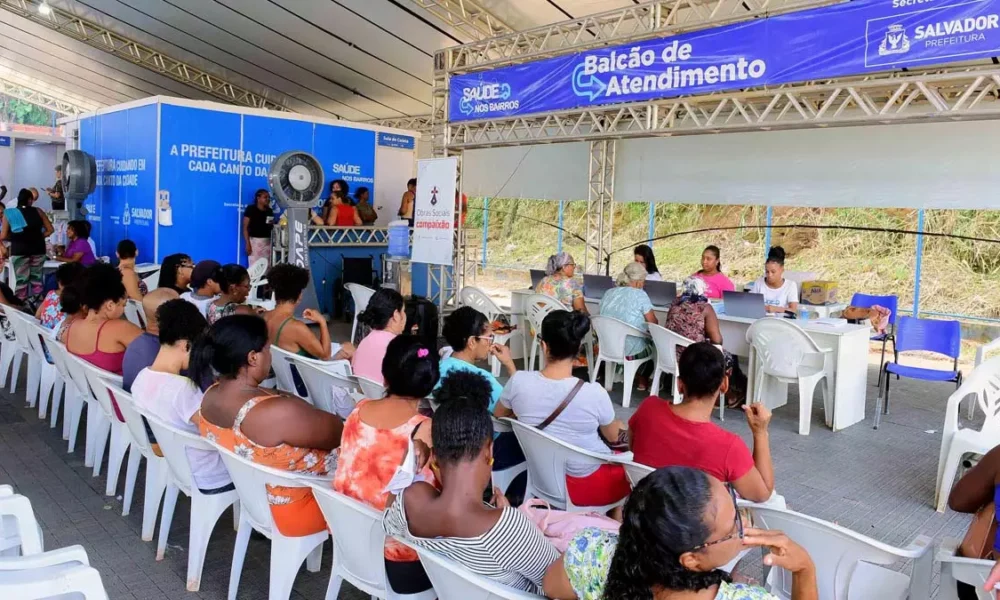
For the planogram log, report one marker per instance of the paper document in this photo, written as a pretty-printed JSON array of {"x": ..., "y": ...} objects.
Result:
[{"x": 831, "y": 322}]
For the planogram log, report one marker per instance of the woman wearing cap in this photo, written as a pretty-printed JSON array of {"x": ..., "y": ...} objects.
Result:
[
  {"x": 630, "y": 304},
  {"x": 205, "y": 285}
]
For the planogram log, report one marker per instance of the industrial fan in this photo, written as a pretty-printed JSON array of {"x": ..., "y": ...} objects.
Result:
[{"x": 79, "y": 172}]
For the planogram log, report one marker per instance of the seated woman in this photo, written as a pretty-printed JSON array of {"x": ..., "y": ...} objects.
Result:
[
  {"x": 715, "y": 280},
  {"x": 693, "y": 317},
  {"x": 102, "y": 337},
  {"x": 560, "y": 284},
  {"x": 975, "y": 493},
  {"x": 338, "y": 210},
  {"x": 286, "y": 332},
  {"x": 643, "y": 255},
  {"x": 780, "y": 294},
  {"x": 630, "y": 304},
  {"x": 470, "y": 335},
  {"x": 164, "y": 392},
  {"x": 495, "y": 541},
  {"x": 235, "y": 287},
  {"x": 127, "y": 254},
  {"x": 79, "y": 248},
  {"x": 386, "y": 317},
  {"x": 375, "y": 442},
  {"x": 537, "y": 396},
  {"x": 71, "y": 305},
  {"x": 175, "y": 273},
  {"x": 363, "y": 206},
  {"x": 280, "y": 430},
  {"x": 681, "y": 526},
  {"x": 50, "y": 312}
]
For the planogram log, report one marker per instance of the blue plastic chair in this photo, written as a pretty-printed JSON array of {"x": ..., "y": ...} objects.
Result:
[
  {"x": 892, "y": 303},
  {"x": 940, "y": 337}
]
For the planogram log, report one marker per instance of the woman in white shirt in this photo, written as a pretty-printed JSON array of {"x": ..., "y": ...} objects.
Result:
[
  {"x": 645, "y": 257},
  {"x": 780, "y": 294},
  {"x": 162, "y": 391}
]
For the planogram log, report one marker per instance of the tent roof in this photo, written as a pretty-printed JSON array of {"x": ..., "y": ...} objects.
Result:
[{"x": 353, "y": 59}]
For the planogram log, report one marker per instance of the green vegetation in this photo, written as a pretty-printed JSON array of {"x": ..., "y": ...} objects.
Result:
[{"x": 13, "y": 110}]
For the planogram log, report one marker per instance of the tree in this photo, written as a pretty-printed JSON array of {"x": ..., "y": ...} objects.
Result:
[{"x": 13, "y": 110}]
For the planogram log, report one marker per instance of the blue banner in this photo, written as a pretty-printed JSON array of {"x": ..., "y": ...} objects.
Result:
[
  {"x": 348, "y": 154},
  {"x": 846, "y": 39},
  {"x": 395, "y": 140}
]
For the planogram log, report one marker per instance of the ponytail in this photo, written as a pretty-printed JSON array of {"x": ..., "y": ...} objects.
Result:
[{"x": 202, "y": 355}]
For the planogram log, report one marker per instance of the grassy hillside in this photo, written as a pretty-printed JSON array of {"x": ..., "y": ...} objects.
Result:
[{"x": 958, "y": 276}]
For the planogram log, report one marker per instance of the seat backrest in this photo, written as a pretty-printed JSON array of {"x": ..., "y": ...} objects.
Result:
[
  {"x": 10, "y": 274},
  {"x": 478, "y": 299},
  {"x": 360, "y": 294},
  {"x": 77, "y": 372},
  {"x": 358, "y": 539},
  {"x": 133, "y": 312},
  {"x": 281, "y": 362},
  {"x": 667, "y": 342},
  {"x": 868, "y": 300},
  {"x": 636, "y": 472},
  {"x": 257, "y": 270},
  {"x": 17, "y": 519},
  {"x": 38, "y": 336},
  {"x": 25, "y": 333},
  {"x": 98, "y": 378},
  {"x": 173, "y": 444},
  {"x": 546, "y": 457},
  {"x": 328, "y": 390},
  {"x": 780, "y": 345},
  {"x": 611, "y": 334},
  {"x": 371, "y": 389},
  {"x": 133, "y": 420},
  {"x": 538, "y": 306},
  {"x": 453, "y": 581},
  {"x": 984, "y": 384},
  {"x": 929, "y": 335},
  {"x": 836, "y": 551},
  {"x": 500, "y": 426},
  {"x": 971, "y": 571},
  {"x": 60, "y": 358}
]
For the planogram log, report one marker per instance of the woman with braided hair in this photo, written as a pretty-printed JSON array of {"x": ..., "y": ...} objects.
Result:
[{"x": 681, "y": 525}]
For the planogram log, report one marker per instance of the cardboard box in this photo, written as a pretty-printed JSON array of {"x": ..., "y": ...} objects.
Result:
[{"x": 819, "y": 292}]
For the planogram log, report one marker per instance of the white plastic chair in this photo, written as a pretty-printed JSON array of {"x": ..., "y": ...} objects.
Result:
[
  {"x": 156, "y": 466},
  {"x": 503, "y": 479},
  {"x": 97, "y": 420},
  {"x": 453, "y": 581},
  {"x": 546, "y": 457},
  {"x": 981, "y": 354},
  {"x": 120, "y": 438},
  {"x": 371, "y": 389},
  {"x": 287, "y": 553},
  {"x": 281, "y": 363},
  {"x": 786, "y": 353},
  {"x": 10, "y": 274},
  {"x": 361, "y": 296},
  {"x": 20, "y": 533},
  {"x": 667, "y": 342},
  {"x": 133, "y": 312},
  {"x": 358, "y": 543},
  {"x": 972, "y": 571},
  {"x": 847, "y": 563},
  {"x": 61, "y": 573},
  {"x": 329, "y": 384},
  {"x": 636, "y": 472},
  {"x": 258, "y": 272},
  {"x": 52, "y": 382},
  {"x": 479, "y": 300},
  {"x": 205, "y": 509},
  {"x": 16, "y": 319},
  {"x": 536, "y": 308},
  {"x": 983, "y": 384},
  {"x": 611, "y": 338},
  {"x": 11, "y": 354},
  {"x": 75, "y": 400}
]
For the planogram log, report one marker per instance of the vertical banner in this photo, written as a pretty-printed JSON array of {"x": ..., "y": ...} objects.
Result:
[{"x": 434, "y": 212}]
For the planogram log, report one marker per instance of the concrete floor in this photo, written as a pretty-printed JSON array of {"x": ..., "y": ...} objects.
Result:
[{"x": 879, "y": 483}]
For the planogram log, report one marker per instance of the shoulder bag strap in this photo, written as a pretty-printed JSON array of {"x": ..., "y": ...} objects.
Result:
[{"x": 562, "y": 405}]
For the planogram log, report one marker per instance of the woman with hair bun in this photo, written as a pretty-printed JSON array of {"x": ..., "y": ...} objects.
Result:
[
  {"x": 681, "y": 527},
  {"x": 386, "y": 317},
  {"x": 534, "y": 396},
  {"x": 495, "y": 541},
  {"x": 375, "y": 442},
  {"x": 779, "y": 293},
  {"x": 277, "y": 430}
]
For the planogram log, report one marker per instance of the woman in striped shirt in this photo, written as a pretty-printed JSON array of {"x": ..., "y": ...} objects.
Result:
[{"x": 492, "y": 540}]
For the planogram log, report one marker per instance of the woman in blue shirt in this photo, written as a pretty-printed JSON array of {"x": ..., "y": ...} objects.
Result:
[
  {"x": 630, "y": 304},
  {"x": 470, "y": 335}
]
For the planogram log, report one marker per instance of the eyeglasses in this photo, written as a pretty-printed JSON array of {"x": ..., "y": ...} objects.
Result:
[
  {"x": 737, "y": 525},
  {"x": 488, "y": 338}
]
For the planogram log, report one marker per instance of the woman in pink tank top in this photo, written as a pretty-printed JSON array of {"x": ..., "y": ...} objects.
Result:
[{"x": 102, "y": 337}]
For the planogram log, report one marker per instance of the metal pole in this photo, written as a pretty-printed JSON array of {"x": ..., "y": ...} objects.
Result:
[
  {"x": 562, "y": 208},
  {"x": 652, "y": 226},
  {"x": 920, "y": 260},
  {"x": 486, "y": 228},
  {"x": 767, "y": 231}
]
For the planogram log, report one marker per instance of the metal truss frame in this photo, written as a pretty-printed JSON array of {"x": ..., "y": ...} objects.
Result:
[
  {"x": 328, "y": 237},
  {"x": 967, "y": 94},
  {"x": 467, "y": 16},
  {"x": 650, "y": 19},
  {"x": 39, "y": 98},
  {"x": 600, "y": 203},
  {"x": 419, "y": 123},
  {"x": 121, "y": 46}
]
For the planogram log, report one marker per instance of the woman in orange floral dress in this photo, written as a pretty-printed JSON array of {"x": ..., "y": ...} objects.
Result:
[
  {"x": 280, "y": 430},
  {"x": 375, "y": 441}
]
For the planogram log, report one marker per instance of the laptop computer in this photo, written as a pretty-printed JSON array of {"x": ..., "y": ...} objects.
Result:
[
  {"x": 661, "y": 293},
  {"x": 537, "y": 276},
  {"x": 595, "y": 286},
  {"x": 741, "y": 304}
]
